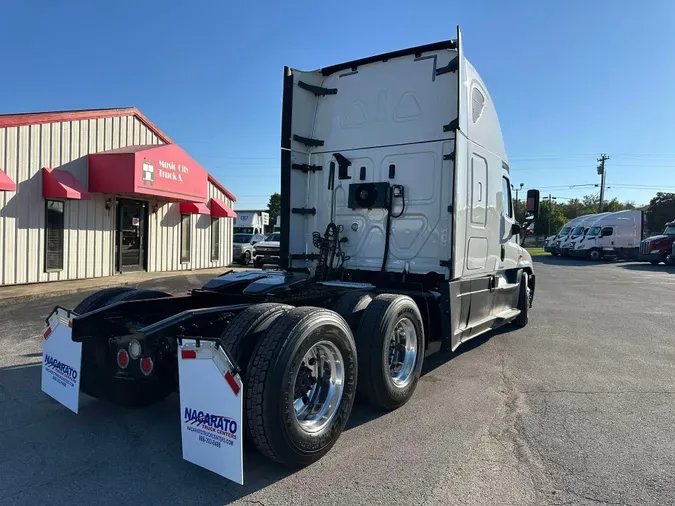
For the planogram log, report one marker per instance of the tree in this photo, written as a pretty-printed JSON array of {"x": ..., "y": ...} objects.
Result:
[
  {"x": 573, "y": 209},
  {"x": 661, "y": 210},
  {"x": 274, "y": 207},
  {"x": 612, "y": 206},
  {"x": 556, "y": 216}
]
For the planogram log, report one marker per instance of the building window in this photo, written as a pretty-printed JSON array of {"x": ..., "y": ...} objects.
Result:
[
  {"x": 184, "y": 238},
  {"x": 54, "y": 235},
  {"x": 215, "y": 239},
  {"x": 507, "y": 208}
]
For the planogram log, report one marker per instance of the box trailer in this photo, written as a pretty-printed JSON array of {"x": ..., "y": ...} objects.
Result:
[
  {"x": 251, "y": 222},
  {"x": 398, "y": 240}
]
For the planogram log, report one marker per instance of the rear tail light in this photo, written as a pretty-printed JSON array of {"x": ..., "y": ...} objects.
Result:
[
  {"x": 122, "y": 359},
  {"x": 147, "y": 365}
]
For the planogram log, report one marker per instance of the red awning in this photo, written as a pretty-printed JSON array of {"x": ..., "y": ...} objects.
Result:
[
  {"x": 61, "y": 184},
  {"x": 193, "y": 208},
  {"x": 6, "y": 184},
  {"x": 220, "y": 210},
  {"x": 150, "y": 170}
]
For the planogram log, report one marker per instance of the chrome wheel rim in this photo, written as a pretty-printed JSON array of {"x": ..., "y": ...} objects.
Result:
[
  {"x": 319, "y": 383},
  {"x": 402, "y": 353},
  {"x": 528, "y": 292}
]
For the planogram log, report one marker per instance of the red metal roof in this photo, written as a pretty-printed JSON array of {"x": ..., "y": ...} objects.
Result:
[{"x": 35, "y": 118}]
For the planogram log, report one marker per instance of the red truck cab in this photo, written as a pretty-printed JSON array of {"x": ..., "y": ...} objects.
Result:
[{"x": 657, "y": 248}]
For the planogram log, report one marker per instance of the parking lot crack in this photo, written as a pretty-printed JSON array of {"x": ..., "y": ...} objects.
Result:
[
  {"x": 507, "y": 430},
  {"x": 597, "y": 500}
]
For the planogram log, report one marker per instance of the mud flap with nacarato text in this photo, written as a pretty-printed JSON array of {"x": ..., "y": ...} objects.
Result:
[
  {"x": 61, "y": 360},
  {"x": 211, "y": 406}
]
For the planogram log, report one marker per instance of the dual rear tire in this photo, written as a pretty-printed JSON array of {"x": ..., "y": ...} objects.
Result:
[{"x": 300, "y": 368}]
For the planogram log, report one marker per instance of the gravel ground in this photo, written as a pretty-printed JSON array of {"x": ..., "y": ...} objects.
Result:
[{"x": 577, "y": 408}]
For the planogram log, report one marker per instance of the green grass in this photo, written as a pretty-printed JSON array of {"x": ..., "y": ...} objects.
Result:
[{"x": 536, "y": 251}]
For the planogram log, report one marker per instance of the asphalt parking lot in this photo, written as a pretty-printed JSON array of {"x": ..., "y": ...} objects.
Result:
[{"x": 577, "y": 408}]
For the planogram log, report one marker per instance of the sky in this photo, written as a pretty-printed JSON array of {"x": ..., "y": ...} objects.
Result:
[{"x": 570, "y": 79}]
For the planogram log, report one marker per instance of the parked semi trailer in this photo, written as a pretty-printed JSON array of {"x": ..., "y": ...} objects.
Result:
[
  {"x": 398, "y": 240},
  {"x": 614, "y": 235}
]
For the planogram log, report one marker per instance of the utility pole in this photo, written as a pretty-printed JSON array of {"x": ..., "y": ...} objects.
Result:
[
  {"x": 515, "y": 211},
  {"x": 601, "y": 172},
  {"x": 550, "y": 211}
]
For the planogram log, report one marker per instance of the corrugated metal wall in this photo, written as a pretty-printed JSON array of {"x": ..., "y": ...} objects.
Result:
[
  {"x": 164, "y": 238},
  {"x": 88, "y": 235}
]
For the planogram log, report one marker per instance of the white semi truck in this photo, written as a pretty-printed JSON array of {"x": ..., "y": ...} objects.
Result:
[
  {"x": 554, "y": 242},
  {"x": 580, "y": 228},
  {"x": 615, "y": 235},
  {"x": 398, "y": 240}
]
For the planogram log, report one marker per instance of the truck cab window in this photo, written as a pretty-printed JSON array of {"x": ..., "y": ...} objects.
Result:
[
  {"x": 507, "y": 208},
  {"x": 607, "y": 231}
]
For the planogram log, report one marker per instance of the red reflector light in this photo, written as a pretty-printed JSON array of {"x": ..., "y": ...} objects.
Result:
[
  {"x": 70, "y": 323},
  {"x": 146, "y": 365},
  {"x": 47, "y": 332},
  {"x": 122, "y": 359},
  {"x": 188, "y": 354},
  {"x": 232, "y": 382}
]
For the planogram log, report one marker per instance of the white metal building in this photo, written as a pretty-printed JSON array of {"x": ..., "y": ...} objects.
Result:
[{"x": 95, "y": 193}]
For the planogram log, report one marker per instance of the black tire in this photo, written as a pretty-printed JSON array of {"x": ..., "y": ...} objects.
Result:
[
  {"x": 97, "y": 358},
  {"x": 655, "y": 262},
  {"x": 257, "y": 264},
  {"x": 594, "y": 254},
  {"x": 373, "y": 343},
  {"x": 246, "y": 258},
  {"x": 523, "y": 304},
  {"x": 99, "y": 299},
  {"x": 351, "y": 307},
  {"x": 246, "y": 329},
  {"x": 271, "y": 380},
  {"x": 554, "y": 253}
]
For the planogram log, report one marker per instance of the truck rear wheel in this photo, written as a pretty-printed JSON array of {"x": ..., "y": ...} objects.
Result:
[
  {"x": 594, "y": 254},
  {"x": 523, "y": 302},
  {"x": 301, "y": 382},
  {"x": 390, "y": 345},
  {"x": 246, "y": 329},
  {"x": 96, "y": 379},
  {"x": 351, "y": 307},
  {"x": 99, "y": 299}
]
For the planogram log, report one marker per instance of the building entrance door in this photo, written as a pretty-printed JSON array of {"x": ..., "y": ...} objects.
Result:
[{"x": 131, "y": 235}]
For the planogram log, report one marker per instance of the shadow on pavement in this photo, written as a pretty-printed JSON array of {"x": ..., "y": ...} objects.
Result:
[
  {"x": 105, "y": 450},
  {"x": 647, "y": 267},
  {"x": 572, "y": 261},
  {"x": 48, "y": 452}
]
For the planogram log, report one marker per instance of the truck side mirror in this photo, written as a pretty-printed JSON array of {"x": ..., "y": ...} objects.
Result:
[
  {"x": 532, "y": 207},
  {"x": 515, "y": 229}
]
